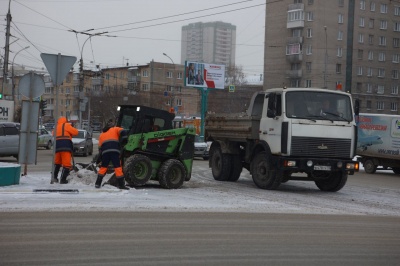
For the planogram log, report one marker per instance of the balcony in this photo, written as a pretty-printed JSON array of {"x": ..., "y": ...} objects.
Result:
[
  {"x": 294, "y": 58},
  {"x": 97, "y": 81},
  {"x": 295, "y": 18},
  {"x": 294, "y": 73},
  {"x": 134, "y": 79},
  {"x": 294, "y": 40}
]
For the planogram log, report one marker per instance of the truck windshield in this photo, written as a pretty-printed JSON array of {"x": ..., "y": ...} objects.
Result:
[{"x": 318, "y": 106}]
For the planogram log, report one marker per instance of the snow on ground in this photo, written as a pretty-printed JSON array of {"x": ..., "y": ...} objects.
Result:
[{"x": 201, "y": 193}]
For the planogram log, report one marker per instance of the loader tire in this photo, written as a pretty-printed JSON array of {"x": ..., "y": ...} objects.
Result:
[
  {"x": 137, "y": 170},
  {"x": 334, "y": 183},
  {"x": 220, "y": 164},
  {"x": 171, "y": 174},
  {"x": 396, "y": 170},
  {"x": 263, "y": 173},
  {"x": 236, "y": 168}
]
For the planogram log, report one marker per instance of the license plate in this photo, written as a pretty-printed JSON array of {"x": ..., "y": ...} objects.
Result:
[{"x": 322, "y": 167}]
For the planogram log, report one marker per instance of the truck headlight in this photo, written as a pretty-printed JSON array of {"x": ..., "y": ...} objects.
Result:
[
  {"x": 352, "y": 166},
  {"x": 289, "y": 163},
  {"x": 309, "y": 163}
]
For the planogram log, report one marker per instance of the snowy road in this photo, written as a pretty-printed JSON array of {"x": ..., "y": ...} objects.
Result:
[{"x": 364, "y": 194}]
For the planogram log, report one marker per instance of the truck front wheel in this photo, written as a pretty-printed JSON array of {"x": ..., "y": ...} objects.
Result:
[
  {"x": 171, "y": 174},
  {"x": 369, "y": 166},
  {"x": 334, "y": 183},
  {"x": 137, "y": 170},
  {"x": 263, "y": 175},
  {"x": 220, "y": 164}
]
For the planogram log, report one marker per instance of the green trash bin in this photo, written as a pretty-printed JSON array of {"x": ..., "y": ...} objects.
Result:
[{"x": 9, "y": 174}]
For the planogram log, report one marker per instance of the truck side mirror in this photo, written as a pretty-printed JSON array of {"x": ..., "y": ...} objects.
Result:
[{"x": 357, "y": 107}]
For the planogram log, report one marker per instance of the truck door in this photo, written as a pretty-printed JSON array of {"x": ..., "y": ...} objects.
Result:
[{"x": 271, "y": 122}]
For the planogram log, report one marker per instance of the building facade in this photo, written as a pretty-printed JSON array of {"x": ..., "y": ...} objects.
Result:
[
  {"x": 210, "y": 42},
  {"x": 351, "y": 45}
]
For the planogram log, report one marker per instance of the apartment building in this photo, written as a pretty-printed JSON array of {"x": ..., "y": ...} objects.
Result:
[
  {"x": 210, "y": 42},
  {"x": 351, "y": 45}
]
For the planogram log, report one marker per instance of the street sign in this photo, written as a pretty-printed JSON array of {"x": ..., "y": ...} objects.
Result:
[
  {"x": 58, "y": 66},
  {"x": 28, "y": 133},
  {"x": 231, "y": 88},
  {"x": 31, "y": 85}
]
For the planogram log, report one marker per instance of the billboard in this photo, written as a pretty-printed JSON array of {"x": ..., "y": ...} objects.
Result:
[
  {"x": 6, "y": 111},
  {"x": 202, "y": 75}
]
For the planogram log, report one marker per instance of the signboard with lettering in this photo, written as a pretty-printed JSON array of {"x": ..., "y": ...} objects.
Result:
[
  {"x": 6, "y": 111},
  {"x": 202, "y": 75}
]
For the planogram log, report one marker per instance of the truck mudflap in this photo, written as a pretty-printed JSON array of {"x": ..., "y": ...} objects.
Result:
[{"x": 316, "y": 166}]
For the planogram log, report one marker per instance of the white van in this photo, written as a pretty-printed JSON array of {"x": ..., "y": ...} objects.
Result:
[{"x": 9, "y": 139}]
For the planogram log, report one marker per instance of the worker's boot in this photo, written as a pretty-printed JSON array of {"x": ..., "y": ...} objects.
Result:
[
  {"x": 98, "y": 181},
  {"x": 65, "y": 173},
  {"x": 55, "y": 173},
  {"x": 121, "y": 183}
]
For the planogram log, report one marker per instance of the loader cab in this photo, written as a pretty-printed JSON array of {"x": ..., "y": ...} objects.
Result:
[{"x": 142, "y": 119}]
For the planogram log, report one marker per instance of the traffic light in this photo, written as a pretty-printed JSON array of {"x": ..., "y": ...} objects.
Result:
[
  {"x": 43, "y": 106},
  {"x": 1, "y": 96}
]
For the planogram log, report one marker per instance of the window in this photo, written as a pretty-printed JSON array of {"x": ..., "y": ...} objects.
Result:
[
  {"x": 308, "y": 67},
  {"x": 339, "y": 52},
  {"x": 381, "y": 72},
  {"x": 310, "y": 2},
  {"x": 295, "y": 15},
  {"x": 145, "y": 73},
  {"x": 370, "y": 55},
  {"x": 362, "y": 22},
  {"x": 310, "y": 16},
  {"x": 361, "y": 38},
  {"x": 380, "y": 105},
  {"x": 396, "y": 58},
  {"x": 180, "y": 75},
  {"x": 360, "y": 54},
  {"x": 362, "y": 4},
  {"x": 169, "y": 74},
  {"x": 383, "y": 25},
  {"x": 369, "y": 71},
  {"x": 179, "y": 102},
  {"x": 397, "y": 10},
  {"x": 382, "y": 40},
  {"x": 369, "y": 105},
  {"x": 309, "y": 32},
  {"x": 396, "y": 26},
  {"x": 371, "y": 39},
  {"x": 359, "y": 70},
  {"x": 341, "y": 3},
  {"x": 395, "y": 74},
  {"x": 293, "y": 49},
  {"x": 371, "y": 23},
  {"x": 296, "y": 32},
  {"x": 395, "y": 89},
  {"x": 384, "y": 8},
  {"x": 178, "y": 89},
  {"x": 340, "y": 18},
  {"x": 382, "y": 57},
  {"x": 372, "y": 6},
  {"x": 358, "y": 86},
  {"x": 338, "y": 68},
  {"x": 308, "y": 83},
  {"x": 393, "y": 106},
  {"x": 396, "y": 42},
  {"x": 309, "y": 49},
  {"x": 369, "y": 87},
  {"x": 145, "y": 87},
  {"x": 340, "y": 35},
  {"x": 381, "y": 89}
]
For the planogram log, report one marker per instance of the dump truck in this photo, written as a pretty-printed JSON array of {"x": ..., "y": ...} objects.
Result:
[
  {"x": 378, "y": 145},
  {"x": 286, "y": 135},
  {"x": 152, "y": 149}
]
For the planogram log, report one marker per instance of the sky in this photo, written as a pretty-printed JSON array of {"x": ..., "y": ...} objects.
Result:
[{"x": 134, "y": 31}]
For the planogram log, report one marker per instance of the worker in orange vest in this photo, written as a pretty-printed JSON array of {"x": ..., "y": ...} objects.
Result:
[
  {"x": 109, "y": 149},
  {"x": 64, "y": 149}
]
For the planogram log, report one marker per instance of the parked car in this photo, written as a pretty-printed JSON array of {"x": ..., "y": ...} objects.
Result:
[
  {"x": 200, "y": 148},
  {"x": 9, "y": 139},
  {"x": 45, "y": 139},
  {"x": 83, "y": 143}
]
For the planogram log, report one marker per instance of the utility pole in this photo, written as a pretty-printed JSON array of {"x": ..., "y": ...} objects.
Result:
[
  {"x": 173, "y": 88},
  {"x": 7, "y": 49},
  {"x": 326, "y": 57}
]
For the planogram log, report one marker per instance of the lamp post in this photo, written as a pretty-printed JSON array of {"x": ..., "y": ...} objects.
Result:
[
  {"x": 173, "y": 88},
  {"x": 326, "y": 57},
  {"x": 12, "y": 75}
]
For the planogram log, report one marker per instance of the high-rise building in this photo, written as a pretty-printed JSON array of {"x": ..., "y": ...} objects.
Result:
[
  {"x": 353, "y": 45},
  {"x": 210, "y": 42}
]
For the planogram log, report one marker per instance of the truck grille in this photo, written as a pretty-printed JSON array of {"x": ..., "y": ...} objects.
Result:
[{"x": 320, "y": 147}]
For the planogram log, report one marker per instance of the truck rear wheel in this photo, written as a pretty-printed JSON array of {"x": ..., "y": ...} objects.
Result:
[
  {"x": 220, "y": 164},
  {"x": 334, "y": 183},
  {"x": 236, "y": 168},
  {"x": 171, "y": 174},
  {"x": 137, "y": 170},
  {"x": 369, "y": 166},
  {"x": 262, "y": 173}
]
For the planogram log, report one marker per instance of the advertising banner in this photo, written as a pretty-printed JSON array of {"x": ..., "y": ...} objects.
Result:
[
  {"x": 6, "y": 111},
  {"x": 202, "y": 75}
]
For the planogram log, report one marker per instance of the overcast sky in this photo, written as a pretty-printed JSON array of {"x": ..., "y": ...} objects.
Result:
[{"x": 143, "y": 30}]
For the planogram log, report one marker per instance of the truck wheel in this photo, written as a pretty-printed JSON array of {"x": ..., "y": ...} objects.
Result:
[
  {"x": 369, "y": 166},
  {"x": 396, "y": 170},
  {"x": 236, "y": 168},
  {"x": 262, "y": 175},
  {"x": 334, "y": 183},
  {"x": 171, "y": 174},
  {"x": 220, "y": 164},
  {"x": 137, "y": 170}
]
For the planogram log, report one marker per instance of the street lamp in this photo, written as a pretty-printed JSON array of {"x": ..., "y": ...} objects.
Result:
[
  {"x": 12, "y": 73},
  {"x": 326, "y": 57},
  {"x": 172, "y": 98}
]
